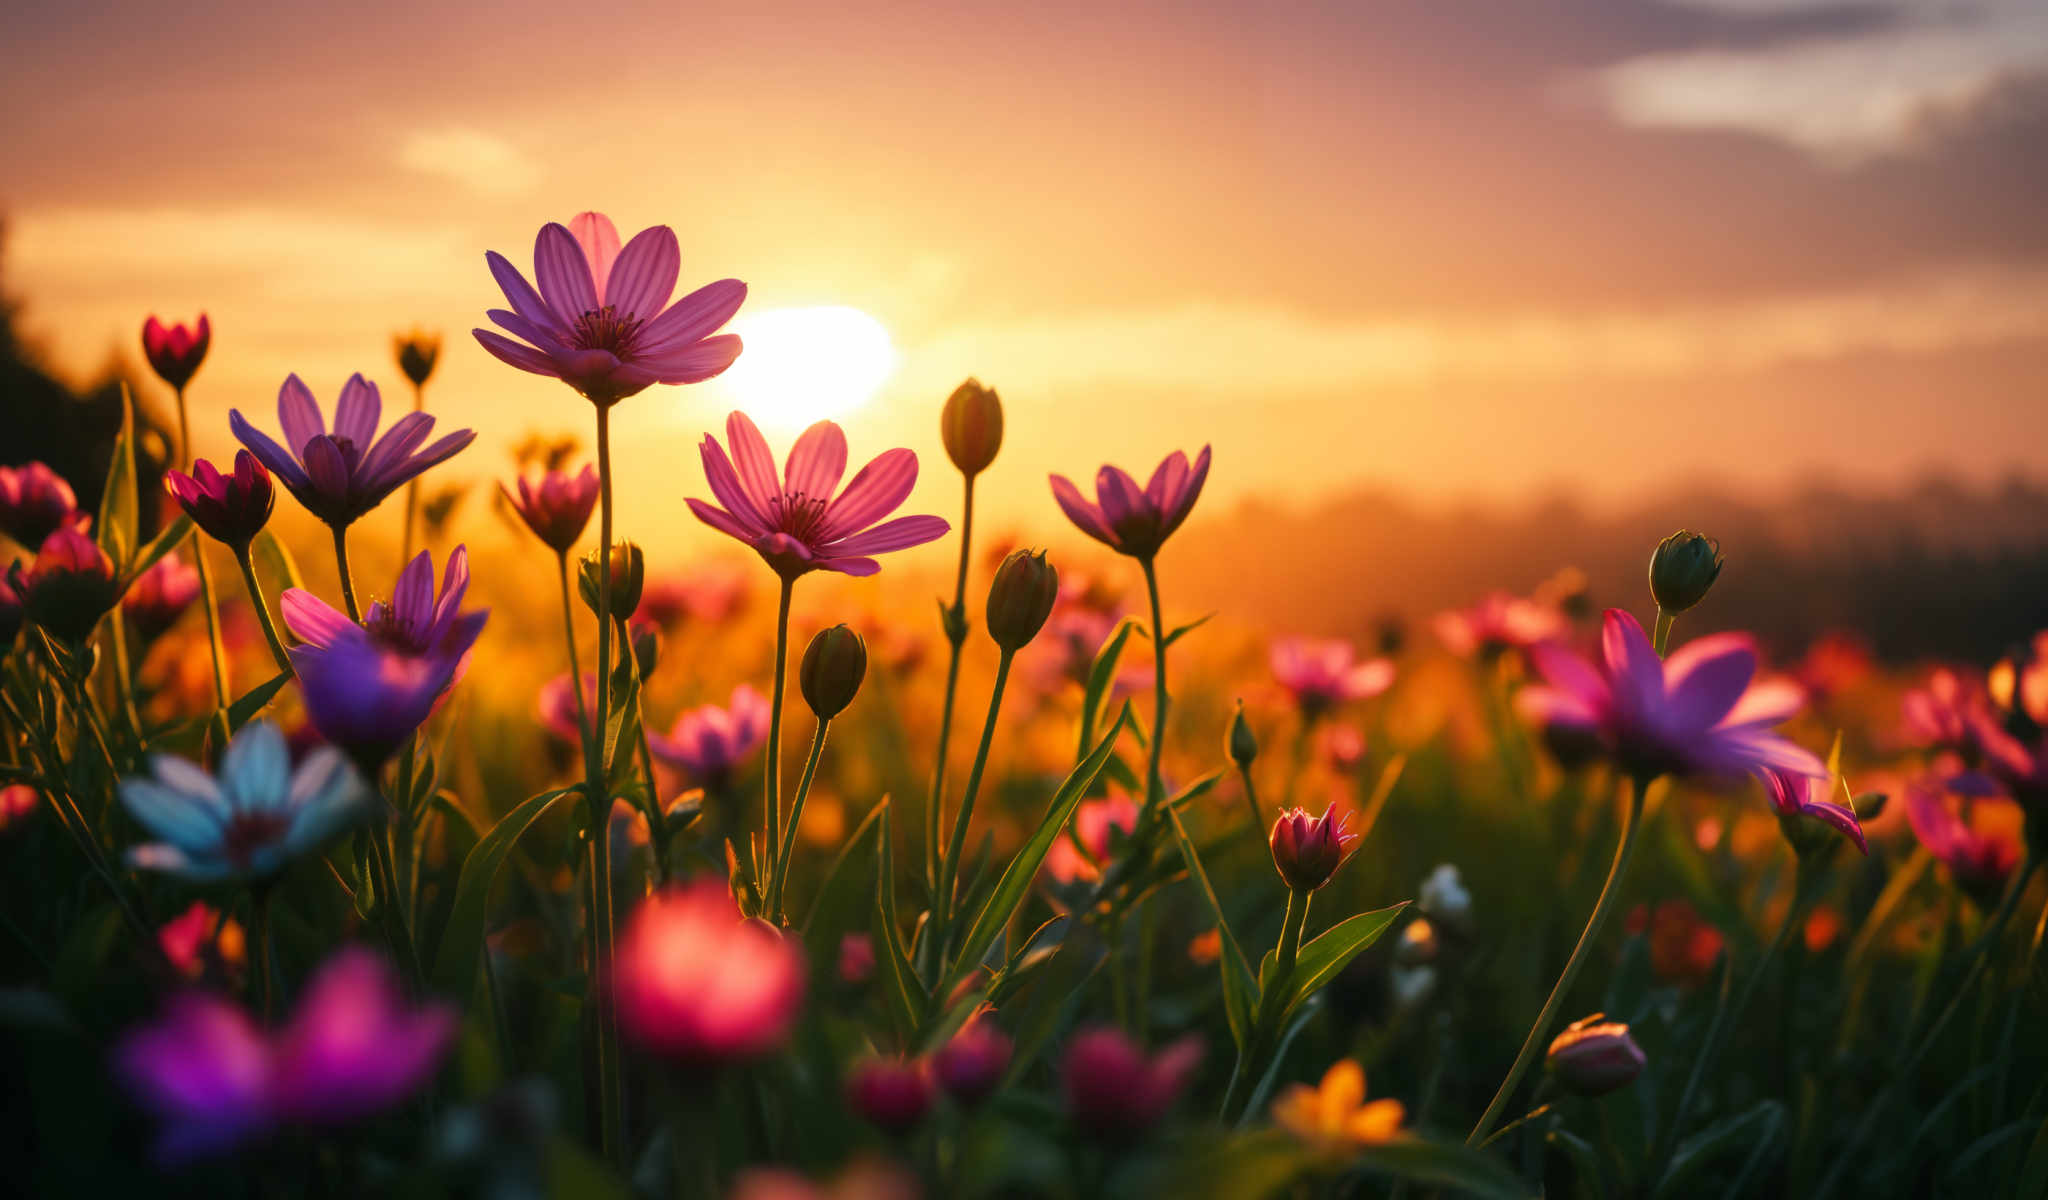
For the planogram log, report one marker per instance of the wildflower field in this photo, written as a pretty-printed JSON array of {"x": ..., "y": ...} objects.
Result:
[{"x": 759, "y": 875}]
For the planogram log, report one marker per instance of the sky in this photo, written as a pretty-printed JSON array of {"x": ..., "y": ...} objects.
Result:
[{"x": 1454, "y": 251}]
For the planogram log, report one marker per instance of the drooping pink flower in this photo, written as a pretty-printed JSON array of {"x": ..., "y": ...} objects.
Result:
[
  {"x": 556, "y": 506},
  {"x": 341, "y": 473},
  {"x": 159, "y": 596},
  {"x": 793, "y": 520},
  {"x": 175, "y": 351},
  {"x": 1322, "y": 675},
  {"x": 35, "y": 502},
  {"x": 696, "y": 982},
  {"x": 892, "y": 1094},
  {"x": 1500, "y": 621},
  {"x": 1079, "y": 858},
  {"x": 709, "y": 741},
  {"x": 1308, "y": 850},
  {"x": 1114, "y": 1091},
  {"x": 232, "y": 509},
  {"x": 1977, "y": 837},
  {"x": 368, "y": 687},
  {"x": 1802, "y": 798},
  {"x": 601, "y": 321},
  {"x": 1698, "y": 713},
  {"x": 1127, "y": 519}
]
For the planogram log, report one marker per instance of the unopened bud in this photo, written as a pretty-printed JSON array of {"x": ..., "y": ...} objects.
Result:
[
  {"x": 1593, "y": 1058},
  {"x": 1308, "y": 850},
  {"x": 972, "y": 427},
  {"x": 1021, "y": 598},
  {"x": 1242, "y": 746},
  {"x": 1682, "y": 569},
  {"x": 834, "y": 665},
  {"x": 971, "y": 1065},
  {"x": 890, "y": 1093},
  {"x": 646, "y": 649},
  {"x": 417, "y": 352},
  {"x": 628, "y": 572}
]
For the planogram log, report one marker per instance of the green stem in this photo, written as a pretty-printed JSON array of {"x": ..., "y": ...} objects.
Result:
[
  {"x": 598, "y": 793},
  {"x": 412, "y": 492},
  {"x": 575, "y": 659},
  {"x": 1662, "y": 639},
  {"x": 219, "y": 650},
  {"x": 1155, "y": 785},
  {"x": 348, "y": 583},
  {"x": 1610, "y": 894},
  {"x": 249, "y": 581},
  {"x": 771, "y": 773},
  {"x": 124, "y": 674},
  {"x": 1265, "y": 1030},
  {"x": 956, "y": 845},
  {"x": 956, "y": 634},
  {"x": 796, "y": 812},
  {"x": 1251, "y": 798}
]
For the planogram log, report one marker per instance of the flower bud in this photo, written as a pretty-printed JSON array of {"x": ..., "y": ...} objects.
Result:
[
  {"x": 856, "y": 959},
  {"x": 1242, "y": 746},
  {"x": 972, "y": 427},
  {"x": 1682, "y": 569},
  {"x": 1021, "y": 598},
  {"x": 71, "y": 586},
  {"x": 1308, "y": 850},
  {"x": 232, "y": 508},
  {"x": 628, "y": 571},
  {"x": 646, "y": 649},
  {"x": 834, "y": 665},
  {"x": 970, "y": 1066},
  {"x": 1593, "y": 1058},
  {"x": 417, "y": 352},
  {"x": 175, "y": 351},
  {"x": 890, "y": 1093}
]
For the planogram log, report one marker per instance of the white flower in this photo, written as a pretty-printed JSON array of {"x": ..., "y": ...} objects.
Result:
[{"x": 1444, "y": 897}]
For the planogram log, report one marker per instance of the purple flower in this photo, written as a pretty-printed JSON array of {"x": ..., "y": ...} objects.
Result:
[
  {"x": 710, "y": 741},
  {"x": 1498, "y": 622},
  {"x": 203, "y": 1069},
  {"x": 793, "y": 520},
  {"x": 341, "y": 474},
  {"x": 1699, "y": 713},
  {"x": 35, "y": 502},
  {"x": 556, "y": 506},
  {"x": 249, "y": 821},
  {"x": 601, "y": 321},
  {"x": 1321, "y": 675},
  {"x": 1130, "y": 521},
  {"x": 368, "y": 687},
  {"x": 1800, "y": 798}
]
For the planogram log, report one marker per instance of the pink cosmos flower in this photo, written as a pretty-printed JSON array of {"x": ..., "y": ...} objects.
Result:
[
  {"x": 342, "y": 473},
  {"x": 793, "y": 520},
  {"x": 175, "y": 351},
  {"x": 601, "y": 321},
  {"x": 1799, "y": 798},
  {"x": 1133, "y": 521},
  {"x": 35, "y": 502},
  {"x": 1499, "y": 621},
  {"x": 1114, "y": 1091},
  {"x": 709, "y": 741},
  {"x": 696, "y": 982},
  {"x": 1698, "y": 713},
  {"x": 1308, "y": 850},
  {"x": 556, "y": 506},
  {"x": 232, "y": 509},
  {"x": 1324, "y": 674},
  {"x": 17, "y": 801},
  {"x": 1976, "y": 836},
  {"x": 159, "y": 596},
  {"x": 1079, "y": 858}
]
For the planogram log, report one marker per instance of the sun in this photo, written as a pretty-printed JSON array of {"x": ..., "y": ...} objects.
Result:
[{"x": 805, "y": 364}]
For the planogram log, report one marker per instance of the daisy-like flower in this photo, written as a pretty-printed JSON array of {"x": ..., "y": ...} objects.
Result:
[
  {"x": 709, "y": 741},
  {"x": 556, "y": 506},
  {"x": 1804, "y": 799},
  {"x": 1321, "y": 675},
  {"x": 249, "y": 822},
  {"x": 368, "y": 687},
  {"x": 1698, "y": 713},
  {"x": 1498, "y": 622},
  {"x": 341, "y": 473},
  {"x": 1334, "y": 1115},
  {"x": 601, "y": 321},
  {"x": 1976, "y": 835},
  {"x": 1130, "y": 520},
  {"x": 793, "y": 520},
  {"x": 232, "y": 508}
]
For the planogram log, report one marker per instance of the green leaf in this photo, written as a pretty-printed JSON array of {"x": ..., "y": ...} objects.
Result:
[
  {"x": 462, "y": 940},
  {"x": 1016, "y": 881},
  {"x": 1240, "y": 989},
  {"x": 1320, "y": 960},
  {"x": 161, "y": 545},
  {"x": 622, "y": 722},
  {"x": 1445, "y": 1164},
  {"x": 1176, "y": 634},
  {"x": 900, "y": 984},
  {"x": 1099, "y": 678},
  {"x": 1592, "y": 1173},
  {"x": 1195, "y": 791},
  {"x": 117, "y": 516},
  {"x": 843, "y": 896},
  {"x": 1754, "y": 1126},
  {"x": 1261, "y": 1163},
  {"x": 251, "y": 702},
  {"x": 1050, "y": 1000}
]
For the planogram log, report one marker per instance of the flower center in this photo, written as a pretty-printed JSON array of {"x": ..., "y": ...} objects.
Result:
[
  {"x": 607, "y": 328},
  {"x": 249, "y": 832},
  {"x": 799, "y": 516},
  {"x": 388, "y": 626}
]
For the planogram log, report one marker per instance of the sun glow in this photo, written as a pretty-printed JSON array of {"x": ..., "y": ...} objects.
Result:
[{"x": 805, "y": 364}]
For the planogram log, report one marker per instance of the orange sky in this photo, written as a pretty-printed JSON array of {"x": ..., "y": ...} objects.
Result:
[{"x": 1446, "y": 251}]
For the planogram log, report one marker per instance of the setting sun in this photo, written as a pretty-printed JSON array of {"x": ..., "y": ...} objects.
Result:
[{"x": 805, "y": 364}]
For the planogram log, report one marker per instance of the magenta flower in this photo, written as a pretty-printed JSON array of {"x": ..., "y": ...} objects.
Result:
[
  {"x": 696, "y": 982},
  {"x": 1324, "y": 674},
  {"x": 1977, "y": 837},
  {"x": 1114, "y": 1091},
  {"x": 1131, "y": 521},
  {"x": 709, "y": 741},
  {"x": 341, "y": 474},
  {"x": 792, "y": 520},
  {"x": 1090, "y": 841},
  {"x": 1308, "y": 850},
  {"x": 160, "y": 595},
  {"x": 203, "y": 1070},
  {"x": 1497, "y": 623},
  {"x": 892, "y": 1094},
  {"x": 971, "y": 1065},
  {"x": 175, "y": 351},
  {"x": 556, "y": 506},
  {"x": 1800, "y": 798},
  {"x": 2021, "y": 766},
  {"x": 1699, "y": 713},
  {"x": 35, "y": 502},
  {"x": 1946, "y": 712},
  {"x": 232, "y": 509},
  {"x": 70, "y": 586},
  {"x": 707, "y": 593},
  {"x": 368, "y": 687},
  {"x": 558, "y": 713},
  {"x": 601, "y": 321}
]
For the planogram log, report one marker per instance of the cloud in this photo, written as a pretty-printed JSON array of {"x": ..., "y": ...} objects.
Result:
[
  {"x": 482, "y": 162},
  {"x": 1884, "y": 88}
]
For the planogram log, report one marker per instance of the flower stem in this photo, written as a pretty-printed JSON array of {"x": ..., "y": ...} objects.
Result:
[
  {"x": 259, "y": 903},
  {"x": 575, "y": 659},
  {"x": 412, "y": 492},
  {"x": 956, "y": 634},
  {"x": 1265, "y": 1028},
  {"x": 249, "y": 581},
  {"x": 771, "y": 768},
  {"x": 1251, "y": 798},
  {"x": 348, "y": 583},
  {"x": 213, "y": 638},
  {"x": 1662, "y": 637},
  {"x": 124, "y": 673},
  {"x": 1155, "y": 785},
  {"x": 1610, "y": 893},
  {"x": 956, "y": 846},
  {"x": 780, "y": 877},
  {"x": 598, "y": 793}
]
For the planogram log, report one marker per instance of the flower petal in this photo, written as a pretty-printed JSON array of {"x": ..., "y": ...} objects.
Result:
[
  {"x": 721, "y": 520},
  {"x": 522, "y": 297},
  {"x": 1705, "y": 677},
  {"x": 255, "y": 772},
  {"x": 899, "y": 534},
  {"x": 513, "y": 354},
  {"x": 298, "y": 414},
  {"x": 563, "y": 273},
  {"x": 357, "y": 412},
  {"x": 726, "y": 486},
  {"x": 876, "y": 492},
  {"x": 281, "y": 461},
  {"x": 644, "y": 274},
  {"x": 1081, "y": 511},
  {"x": 695, "y": 363},
  {"x": 816, "y": 462},
  {"x": 694, "y": 317},
  {"x": 753, "y": 462},
  {"x": 598, "y": 238},
  {"x": 310, "y": 618}
]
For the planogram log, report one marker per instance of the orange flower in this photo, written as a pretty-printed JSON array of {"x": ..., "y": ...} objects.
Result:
[
  {"x": 1206, "y": 948},
  {"x": 1335, "y": 1115}
]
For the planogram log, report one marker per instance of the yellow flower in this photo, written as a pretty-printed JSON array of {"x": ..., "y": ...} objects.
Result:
[{"x": 1335, "y": 1114}]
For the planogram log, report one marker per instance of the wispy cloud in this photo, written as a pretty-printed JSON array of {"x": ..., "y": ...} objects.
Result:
[{"x": 480, "y": 161}]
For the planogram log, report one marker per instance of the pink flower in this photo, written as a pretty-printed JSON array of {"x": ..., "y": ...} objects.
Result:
[
  {"x": 709, "y": 741},
  {"x": 188, "y": 941},
  {"x": 792, "y": 520},
  {"x": 856, "y": 959},
  {"x": 1800, "y": 798},
  {"x": 696, "y": 982},
  {"x": 1131, "y": 521},
  {"x": 1343, "y": 747},
  {"x": 1699, "y": 713},
  {"x": 1308, "y": 850},
  {"x": 35, "y": 502},
  {"x": 971, "y": 1064},
  {"x": 1079, "y": 857},
  {"x": 159, "y": 596},
  {"x": 232, "y": 509},
  {"x": 1593, "y": 1058},
  {"x": 1114, "y": 1091},
  {"x": 175, "y": 351},
  {"x": 1499, "y": 621},
  {"x": 70, "y": 587},
  {"x": 17, "y": 801},
  {"x": 1976, "y": 836},
  {"x": 892, "y": 1094},
  {"x": 601, "y": 321},
  {"x": 342, "y": 473},
  {"x": 2021, "y": 766},
  {"x": 1945, "y": 713},
  {"x": 556, "y": 506},
  {"x": 1324, "y": 674},
  {"x": 709, "y": 593},
  {"x": 558, "y": 707}
]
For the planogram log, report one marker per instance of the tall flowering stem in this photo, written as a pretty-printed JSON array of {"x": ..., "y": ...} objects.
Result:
[
  {"x": 956, "y": 846},
  {"x": 1610, "y": 894},
  {"x": 1155, "y": 783},
  {"x": 771, "y": 768},
  {"x": 348, "y": 583},
  {"x": 575, "y": 659},
  {"x": 779, "y": 877},
  {"x": 255, "y": 588},
  {"x": 956, "y": 635},
  {"x": 598, "y": 794}
]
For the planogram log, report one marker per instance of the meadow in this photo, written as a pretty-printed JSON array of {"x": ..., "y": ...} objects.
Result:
[{"x": 713, "y": 878}]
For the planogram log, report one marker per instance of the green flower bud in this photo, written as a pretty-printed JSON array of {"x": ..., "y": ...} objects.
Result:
[
  {"x": 1243, "y": 747},
  {"x": 646, "y": 649},
  {"x": 1683, "y": 568},
  {"x": 972, "y": 427},
  {"x": 628, "y": 572},
  {"x": 834, "y": 665},
  {"x": 1021, "y": 598}
]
